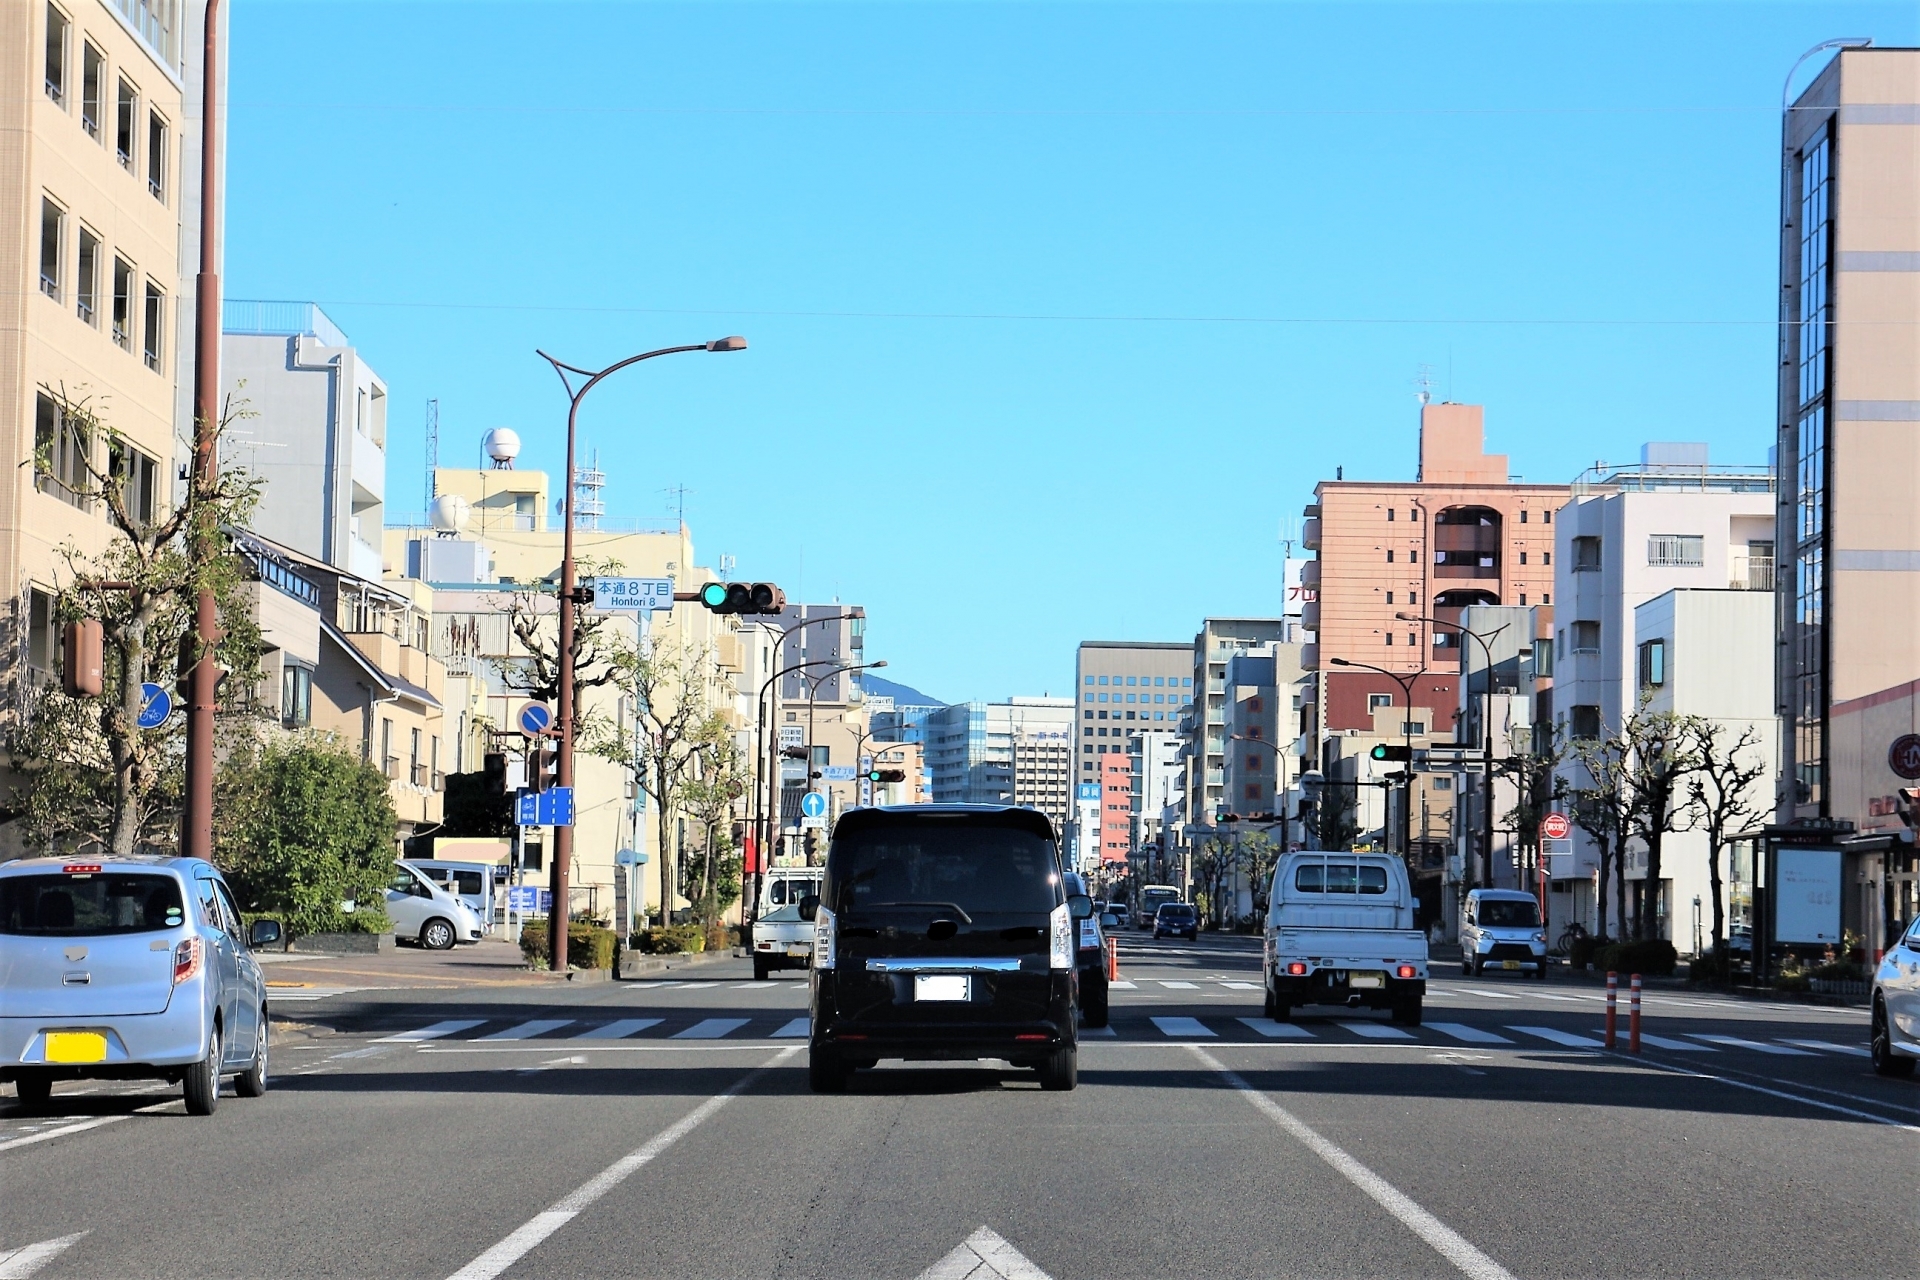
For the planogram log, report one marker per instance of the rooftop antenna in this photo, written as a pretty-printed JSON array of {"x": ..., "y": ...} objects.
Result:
[
  {"x": 679, "y": 494},
  {"x": 1423, "y": 379},
  {"x": 433, "y": 447},
  {"x": 588, "y": 506}
]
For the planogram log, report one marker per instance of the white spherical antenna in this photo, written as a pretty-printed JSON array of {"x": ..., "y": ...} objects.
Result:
[
  {"x": 450, "y": 513},
  {"x": 502, "y": 445}
]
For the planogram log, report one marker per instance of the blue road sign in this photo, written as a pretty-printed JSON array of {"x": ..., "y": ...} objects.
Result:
[
  {"x": 630, "y": 858},
  {"x": 836, "y": 772},
  {"x": 1089, "y": 791},
  {"x": 526, "y": 897},
  {"x": 550, "y": 808},
  {"x": 814, "y": 804},
  {"x": 156, "y": 704},
  {"x": 535, "y": 718}
]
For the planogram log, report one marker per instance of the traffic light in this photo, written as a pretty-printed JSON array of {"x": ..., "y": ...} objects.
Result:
[
  {"x": 886, "y": 775},
  {"x": 493, "y": 770},
  {"x": 543, "y": 765},
  {"x": 1387, "y": 751},
  {"x": 583, "y": 594},
  {"x": 81, "y": 661},
  {"x": 812, "y": 837},
  {"x": 793, "y": 753},
  {"x": 743, "y": 597},
  {"x": 1910, "y": 806}
]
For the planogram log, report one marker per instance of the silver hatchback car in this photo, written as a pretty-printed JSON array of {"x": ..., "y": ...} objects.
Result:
[{"x": 129, "y": 968}]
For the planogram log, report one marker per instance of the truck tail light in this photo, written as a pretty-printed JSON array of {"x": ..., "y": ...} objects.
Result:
[
  {"x": 1297, "y": 968},
  {"x": 186, "y": 960},
  {"x": 1406, "y": 971}
]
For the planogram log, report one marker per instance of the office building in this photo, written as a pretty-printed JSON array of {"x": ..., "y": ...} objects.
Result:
[
  {"x": 1204, "y": 727},
  {"x": 1140, "y": 685},
  {"x": 972, "y": 755}
]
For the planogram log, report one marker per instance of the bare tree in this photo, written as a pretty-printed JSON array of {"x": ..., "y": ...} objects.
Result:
[
  {"x": 1604, "y": 810},
  {"x": 1661, "y": 760},
  {"x": 1722, "y": 790}
]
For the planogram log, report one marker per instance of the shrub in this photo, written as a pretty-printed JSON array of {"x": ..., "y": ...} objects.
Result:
[
  {"x": 1711, "y": 967},
  {"x": 675, "y": 939},
  {"x": 1581, "y": 951},
  {"x": 588, "y": 945},
  {"x": 1654, "y": 958},
  {"x": 719, "y": 937}
]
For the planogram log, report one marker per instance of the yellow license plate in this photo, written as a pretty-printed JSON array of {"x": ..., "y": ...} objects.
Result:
[
  {"x": 76, "y": 1046},
  {"x": 1509, "y": 964},
  {"x": 1366, "y": 979}
]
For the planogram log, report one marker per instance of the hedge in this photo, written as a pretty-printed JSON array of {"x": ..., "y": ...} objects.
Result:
[
  {"x": 675, "y": 939},
  {"x": 588, "y": 946},
  {"x": 1653, "y": 958}
]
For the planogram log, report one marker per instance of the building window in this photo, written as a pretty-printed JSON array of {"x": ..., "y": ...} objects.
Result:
[
  {"x": 86, "y": 280},
  {"x": 135, "y": 473},
  {"x": 1523, "y": 557},
  {"x": 53, "y": 235},
  {"x": 126, "y": 119},
  {"x": 1816, "y": 228},
  {"x": 1586, "y": 555},
  {"x": 1586, "y": 637},
  {"x": 1389, "y": 557},
  {"x": 1413, "y": 597},
  {"x": 155, "y": 326},
  {"x": 59, "y": 454},
  {"x": 1389, "y": 515},
  {"x": 1389, "y": 597},
  {"x": 1676, "y": 550},
  {"x": 1523, "y": 598},
  {"x": 59, "y": 31},
  {"x": 1546, "y": 557},
  {"x": 93, "y": 74},
  {"x": 415, "y": 768},
  {"x": 1546, "y": 517},
  {"x": 1523, "y": 515},
  {"x": 157, "y": 152},
  {"x": 1103, "y": 679},
  {"x": 1584, "y": 722},
  {"x": 389, "y": 762},
  {"x": 1546, "y": 597},
  {"x": 42, "y": 644},
  {"x": 1253, "y": 791},
  {"x": 123, "y": 303},
  {"x": 1543, "y": 656},
  {"x": 1379, "y": 701},
  {"x": 1653, "y": 664},
  {"x": 1389, "y": 639},
  {"x": 1253, "y": 764},
  {"x": 296, "y": 697}
]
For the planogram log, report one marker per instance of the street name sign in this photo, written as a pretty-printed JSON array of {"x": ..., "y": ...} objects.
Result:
[
  {"x": 632, "y": 595},
  {"x": 837, "y": 773},
  {"x": 550, "y": 808}
]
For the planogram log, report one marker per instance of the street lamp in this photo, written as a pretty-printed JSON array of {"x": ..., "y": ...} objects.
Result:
[
  {"x": 1486, "y": 716},
  {"x": 813, "y": 686},
  {"x": 563, "y": 835},
  {"x": 1406, "y": 733}
]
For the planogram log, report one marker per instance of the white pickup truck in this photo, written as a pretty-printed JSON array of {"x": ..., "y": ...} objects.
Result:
[{"x": 1340, "y": 931}]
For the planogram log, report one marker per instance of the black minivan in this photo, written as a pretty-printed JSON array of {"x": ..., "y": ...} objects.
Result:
[{"x": 942, "y": 932}]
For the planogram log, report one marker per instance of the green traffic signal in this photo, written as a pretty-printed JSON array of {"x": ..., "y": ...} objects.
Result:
[
  {"x": 1385, "y": 751},
  {"x": 713, "y": 595}
]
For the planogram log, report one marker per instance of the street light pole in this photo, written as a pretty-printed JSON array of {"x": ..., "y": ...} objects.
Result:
[
  {"x": 1485, "y": 877},
  {"x": 813, "y": 686},
  {"x": 563, "y": 835},
  {"x": 1406, "y": 735}
]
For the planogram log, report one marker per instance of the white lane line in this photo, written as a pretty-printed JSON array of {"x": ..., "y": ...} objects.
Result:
[
  {"x": 61, "y": 1132},
  {"x": 755, "y": 986},
  {"x": 523, "y": 1238},
  {"x": 1182, "y": 986},
  {"x": 1827, "y": 1045},
  {"x": 527, "y": 1030},
  {"x": 617, "y": 1030},
  {"x": 710, "y": 1029},
  {"x": 643, "y": 986},
  {"x": 18, "y": 1264},
  {"x": 1376, "y": 1031},
  {"x": 1471, "y": 1035},
  {"x": 1181, "y": 1026},
  {"x": 1735, "y": 1042},
  {"x": 985, "y": 1255},
  {"x": 1279, "y": 1030},
  {"x": 434, "y": 1032},
  {"x": 798, "y": 1027},
  {"x": 1661, "y": 1042},
  {"x": 1241, "y": 986},
  {"x": 1801, "y": 1098},
  {"x": 1561, "y": 1037},
  {"x": 1445, "y": 1241},
  {"x": 1097, "y": 1033},
  {"x": 1471, "y": 991},
  {"x": 1541, "y": 995},
  {"x": 1120, "y": 984}
]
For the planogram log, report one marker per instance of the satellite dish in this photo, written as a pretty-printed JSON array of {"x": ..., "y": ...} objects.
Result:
[
  {"x": 502, "y": 445},
  {"x": 450, "y": 513}
]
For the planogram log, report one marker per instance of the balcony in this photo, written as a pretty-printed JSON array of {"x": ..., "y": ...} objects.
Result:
[
  {"x": 1757, "y": 574},
  {"x": 1310, "y": 573},
  {"x": 1310, "y": 534},
  {"x": 1310, "y": 613}
]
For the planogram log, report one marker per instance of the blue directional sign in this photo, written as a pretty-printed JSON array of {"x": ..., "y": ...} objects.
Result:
[
  {"x": 526, "y": 897},
  {"x": 836, "y": 773},
  {"x": 535, "y": 718},
  {"x": 635, "y": 595},
  {"x": 1090, "y": 791},
  {"x": 814, "y": 804},
  {"x": 156, "y": 704},
  {"x": 629, "y": 858},
  {"x": 550, "y": 808}
]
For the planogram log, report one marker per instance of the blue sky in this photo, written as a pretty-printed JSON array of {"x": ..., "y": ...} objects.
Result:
[{"x": 1057, "y": 312}]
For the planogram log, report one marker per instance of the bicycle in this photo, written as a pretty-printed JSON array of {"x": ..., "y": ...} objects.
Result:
[{"x": 1575, "y": 932}]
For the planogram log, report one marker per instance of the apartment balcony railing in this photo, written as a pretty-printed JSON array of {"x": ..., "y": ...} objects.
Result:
[{"x": 1759, "y": 575}]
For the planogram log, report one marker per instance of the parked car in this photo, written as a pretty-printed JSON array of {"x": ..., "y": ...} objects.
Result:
[
  {"x": 1176, "y": 920},
  {"x": 942, "y": 932},
  {"x": 1340, "y": 931},
  {"x": 427, "y": 913},
  {"x": 1896, "y": 1006},
  {"x": 471, "y": 882},
  {"x": 1090, "y": 950},
  {"x": 1501, "y": 929},
  {"x": 129, "y": 968},
  {"x": 781, "y": 940}
]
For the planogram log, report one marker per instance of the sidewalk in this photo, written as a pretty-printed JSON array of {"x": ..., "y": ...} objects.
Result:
[{"x": 491, "y": 962}]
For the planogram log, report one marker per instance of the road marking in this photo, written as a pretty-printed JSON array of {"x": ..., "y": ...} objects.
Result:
[
  {"x": 1541, "y": 995},
  {"x": 1671, "y": 1069},
  {"x": 617, "y": 1030},
  {"x": 62, "y": 1131},
  {"x": 1241, "y": 986},
  {"x": 984, "y": 1256},
  {"x": 1376, "y": 1031},
  {"x": 525, "y": 1237},
  {"x": 1279, "y": 1030},
  {"x": 434, "y": 1032},
  {"x": 710, "y": 1029},
  {"x": 1445, "y": 1241},
  {"x": 1470, "y": 991},
  {"x": 1854, "y": 1049},
  {"x": 1661, "y": 1042},
  {"x": 1182, "y": 986},
  {"x": 1181, "y": 1027},
  {"x": 798, "y": 1027},
  {"x": 1735, "y": 1042},
  {"x": 1472, "y": 1035},
  {"x": 755, "y": 986},
  {"x": 1119, "y": 984},
  {"x": 18, "y": 1264},
  {"x": 527, "y": 1030},
  {"x": 1561, "y": 1037}
]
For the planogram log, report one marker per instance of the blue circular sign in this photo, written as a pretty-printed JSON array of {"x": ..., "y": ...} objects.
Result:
[
  {"x": 814, "y": 804},
  {"x": 535, "y": 719},
  {"x": 156, "y": 704}
]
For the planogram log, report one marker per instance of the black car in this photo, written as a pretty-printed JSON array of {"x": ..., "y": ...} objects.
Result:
[
  {"x": 1177, "y": 919},
  {"x": 1090, "y": 951},
  {"x": 942, "y": 932}
]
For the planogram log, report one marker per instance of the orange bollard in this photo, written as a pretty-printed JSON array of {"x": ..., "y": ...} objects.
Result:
[
  {"x": 1613, "y": 988},
  {"x": 1113, "y": 960},
  {"x": 1633, "y": 1017}
]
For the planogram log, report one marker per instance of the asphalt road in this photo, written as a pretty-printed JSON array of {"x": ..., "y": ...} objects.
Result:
[{"x": 665, "y": 1129}]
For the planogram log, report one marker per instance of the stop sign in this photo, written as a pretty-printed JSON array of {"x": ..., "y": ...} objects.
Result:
[{"x": 1555, "y": 826}]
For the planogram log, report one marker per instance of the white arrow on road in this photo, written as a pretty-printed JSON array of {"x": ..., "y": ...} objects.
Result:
[
  {"x": 18, "y": 1264},
  {"x": 984, "y": 1256}
]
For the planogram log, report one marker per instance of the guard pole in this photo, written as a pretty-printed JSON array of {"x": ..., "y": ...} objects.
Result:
[
  {"x": 1113, "y": 960},
  {"x": 1613, "y": 991},
  {"x": 1633, "y": 1017}
]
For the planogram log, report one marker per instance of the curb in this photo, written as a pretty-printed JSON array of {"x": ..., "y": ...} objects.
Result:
[{"x": 633, "y": 965}]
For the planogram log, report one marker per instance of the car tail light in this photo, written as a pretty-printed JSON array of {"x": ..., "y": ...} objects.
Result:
[
  {"x": 823, "y": 939},
  {"x": 1406, "y": 971},
  {"x": 186, "y": 960},
  {"x": 1031, "y": 1035},
  {"x": 81, "y": 868},
  {"x": 1297, "y": 968},
  {"x": 1060, "y": 938}
]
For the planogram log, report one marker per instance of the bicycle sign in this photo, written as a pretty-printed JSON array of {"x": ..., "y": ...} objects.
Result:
[{"x": 1555, "y": 826}]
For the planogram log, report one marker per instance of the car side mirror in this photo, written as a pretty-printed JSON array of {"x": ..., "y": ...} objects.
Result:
[
  {"x": 1080, "y": 906},
  {"x": 810, "y": 907},
  {"x": 1108, "y": 920},
  {"x": 263, "y": 933}
]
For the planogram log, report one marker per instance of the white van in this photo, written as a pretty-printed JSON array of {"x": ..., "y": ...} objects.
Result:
[
  {"x": 1501, "y": 929},
  {"x": 471, "y": 882},
  {"x": 787, "y": 885},
  {"x": 427, "y": 913}
]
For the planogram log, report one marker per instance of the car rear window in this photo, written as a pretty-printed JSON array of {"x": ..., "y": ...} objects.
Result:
[
  {"x": 1176, "y": 913},
  {"x": 1498, "y": 914},
  {"x": 941, "y": 863},
  {"x": 1339, "y": 877},
  {"x": 88, "y": 905}
]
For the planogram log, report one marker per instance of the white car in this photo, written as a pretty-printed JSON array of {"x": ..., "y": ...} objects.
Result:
[
  {"x": 425, "y": 912},
  {"x": 1896, "y": 1006},
  {"x": 1501, "y": 929}
]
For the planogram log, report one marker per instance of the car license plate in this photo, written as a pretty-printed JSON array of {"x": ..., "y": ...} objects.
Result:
[
  {"x": 942, "y": 986},
  {"x": 1366, "y": 980},
  {"x": 1509, "y": 964},
  {"x": 76, "y": 1046},
  {"x": 798, "y": 951}
]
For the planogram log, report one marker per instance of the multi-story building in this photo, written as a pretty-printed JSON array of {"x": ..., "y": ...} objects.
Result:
[
  {"x": 973, "y": 752},
  {"x": 1042, "y": 751},
  {"x": 1138, "y": 684},
  {"x": 317, "y": 434},
  {"x": 1204, "y": 727}
]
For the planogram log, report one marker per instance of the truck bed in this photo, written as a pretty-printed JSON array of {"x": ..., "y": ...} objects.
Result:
[{"x": 1334, "y": 948}]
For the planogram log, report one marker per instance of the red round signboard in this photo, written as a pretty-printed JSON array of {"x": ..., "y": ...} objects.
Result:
[
  {"x": 1903, "y": 757},
  {"x": 1555, "y": 826}
]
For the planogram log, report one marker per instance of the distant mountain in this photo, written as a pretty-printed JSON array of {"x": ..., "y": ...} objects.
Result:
[{"x": 902, "y": 695}]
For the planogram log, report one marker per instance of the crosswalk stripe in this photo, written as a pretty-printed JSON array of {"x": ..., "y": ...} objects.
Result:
[
  {"x": 754, "y": 986},
  {"x": 434, "y": 1032},
  {"x": 1737, "y": 1043},
  {"x": 1181, "y": 1027},
  {"x": 1661, "y": 1042},
  {"x": 1471, "y": 1035},
  {"x": 528, "y": 1030},
  {"x": 1560, "y": 1037},
  {"x": 798, "y": 1027},
  {"x": 1121, "y": 984},
  {"x": 1184, "y": 986},
  {"x": 1470, "y": 991},
  {"x": 1279, "y": 1030},
  {"x": 1376, "y": 1031},
  {"x": 710, "y": 1029},
  {"x": 1241, "y": 986},
  {"x": 618, "y": 1030},
  {"x": 1827, "y": 1045}
]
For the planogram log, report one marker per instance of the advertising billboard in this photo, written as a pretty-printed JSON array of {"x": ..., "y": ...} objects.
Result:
[{"x": 1806, "y": 895}]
